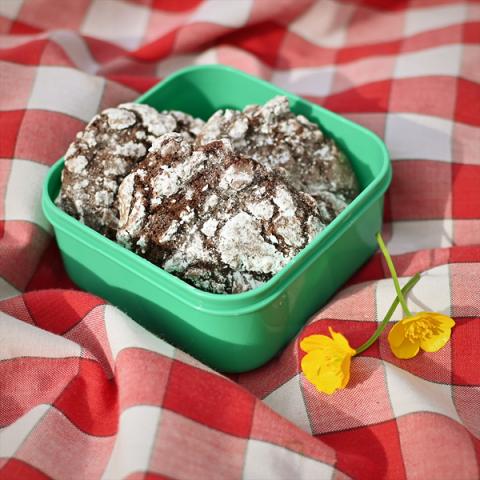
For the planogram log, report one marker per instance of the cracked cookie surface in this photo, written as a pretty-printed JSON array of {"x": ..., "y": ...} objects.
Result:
[
  {"x": 220, "y": 221},
  {"x": 104, "y": 153},
  {"x": 291, "y": 145}
]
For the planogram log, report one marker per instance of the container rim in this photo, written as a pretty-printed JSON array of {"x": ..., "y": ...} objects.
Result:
[{"x": 252, "y": 299}]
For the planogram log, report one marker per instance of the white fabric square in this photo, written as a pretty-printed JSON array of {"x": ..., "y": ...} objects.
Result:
[
  {"x": 409, "y": 393},
  {"x": 409, "y": 236},
  {"x": 231, "y": 13},
  {"x": 305, "y": 81},
  {"x": 13, "y": 436},
  {"x": 431, "y": 295},
  {"x": 444, "y": 60},
  {"x": 123, "y": 332},
  {"x": 134, "y": 441},
  {"x": 7, "y": 290},
  {"x": 267, "y": 461},
  {"x": 24, "y": 193},
  {"x": 76, "y": 48},
  {"x": 116, "y": 21},
  {"x": 324, "y": 23},
  {"x": 66, "y": 90},
  {"x": 288, "y": 401},
  {"x": 426, "y": 19},
  {"x": 10, "y": 8},
  {"x": 412, "y": 136},
  {"x": 20, "y": 339}
]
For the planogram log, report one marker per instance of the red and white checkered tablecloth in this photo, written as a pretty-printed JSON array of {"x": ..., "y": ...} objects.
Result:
[{"x": 86, "y": 393}]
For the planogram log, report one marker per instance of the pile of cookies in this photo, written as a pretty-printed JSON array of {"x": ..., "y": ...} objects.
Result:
[{"x": 222, "y": 204}]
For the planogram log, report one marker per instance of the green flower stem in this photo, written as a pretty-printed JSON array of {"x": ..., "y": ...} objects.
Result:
[
  {"x": 393, "y": 273},
  {"x": 408, "y": 286}
]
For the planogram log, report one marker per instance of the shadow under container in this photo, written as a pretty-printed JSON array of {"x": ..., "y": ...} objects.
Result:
[{"x": 236, "y": 332}]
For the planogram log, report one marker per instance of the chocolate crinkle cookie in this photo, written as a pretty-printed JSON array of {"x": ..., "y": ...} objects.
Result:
[
  {"x": 292, "y": 146},
  {"x": 219, "y": 220},
  {"x": 104, "y": 153}
]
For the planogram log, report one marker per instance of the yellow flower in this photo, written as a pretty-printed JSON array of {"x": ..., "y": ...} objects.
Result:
[
  {"x": 327, "y": 363},
  {"x": 428, "y": 331}
]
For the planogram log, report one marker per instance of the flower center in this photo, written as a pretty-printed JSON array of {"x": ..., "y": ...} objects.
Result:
[{"x": 421, "y": 330}]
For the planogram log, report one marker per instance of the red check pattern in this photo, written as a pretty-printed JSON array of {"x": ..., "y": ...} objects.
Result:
[{"x": 86, "y": 393}]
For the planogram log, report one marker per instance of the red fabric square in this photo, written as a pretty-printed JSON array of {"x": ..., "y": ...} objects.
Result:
[
  {"x": 471, "y": 33},
  {"x": 20, "y": 249},
  {"x": 50, "y": 272},
  {"x": 429, "y": 435},
  {"x": 58, "y": 311},
  {"x": 368, "y": 452},
  {"x": 468, "y": 102},
  {"x": 90, "y": 400},
  {"x": 465, "y": 341},
  {"x": 373, "y": 97},
  {"x": 157, "y": 49},
  {"x": 102, "y": 51},
  {"x": 5, "y": 25},
  {"x": 432, "y": 38},
  {"x": 466, "y": 232},
  {"x": 209, "y": 399},
  {"x": 296, "y": 52},
  {"x": 175, "y": 5},
  {"x": 369, "y": 26},
  {"x": 283, "y": 11},
  {"x": 9, "y": 126},
  {"x": 465, "y": 197},
  {"x": 262, "y": 40},
  {"x": 15, "y": 469},
  {"x": 196, "y": 448},
  {"x": 422, "y": 95},
  {"x": 39, "y": 13},
  {"x": 154, "y": 368},
  {"x": 20, "y": 28},
  {"x": 56, "y": 130},
  {"x": 28, "y": 53},
  {"x": 352, "y": 53},
  {"x": 28, "y": 382},
  {"x": 16, "y": 82},
  {"x": 421, "y": 189}
]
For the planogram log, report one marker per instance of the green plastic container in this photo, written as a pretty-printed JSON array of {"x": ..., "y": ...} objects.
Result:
[{"x": 238, "y": 332}]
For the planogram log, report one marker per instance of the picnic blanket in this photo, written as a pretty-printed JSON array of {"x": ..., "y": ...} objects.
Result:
[{"x": 87, "y": 393}]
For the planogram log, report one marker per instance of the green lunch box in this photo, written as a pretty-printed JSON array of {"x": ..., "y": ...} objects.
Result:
[{"x": 237, "y": 332}]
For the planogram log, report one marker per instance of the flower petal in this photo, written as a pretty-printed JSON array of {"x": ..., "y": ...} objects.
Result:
[
  {"x": 436, "y": 342},
  {"x": 444, "y": 321},
  {"x": 396, "y": 335},
  {"x": 325, "y": 372},
  {"x": 316, "y": 342},
  {"x": 341, "y": 342},
  {"x": 346, "y": 371},
  {"x": 406, "y": 349}
]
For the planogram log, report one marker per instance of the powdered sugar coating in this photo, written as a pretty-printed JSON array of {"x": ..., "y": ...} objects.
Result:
[
  {"x": 293, "y": 146},
  {"x": 104, "y": 153},
  {"x": 229, "y": 234}
]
